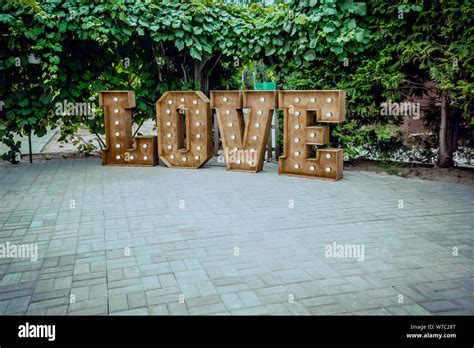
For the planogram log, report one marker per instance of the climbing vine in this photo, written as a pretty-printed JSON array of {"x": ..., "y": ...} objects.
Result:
[{"x": 70, "y": 50}]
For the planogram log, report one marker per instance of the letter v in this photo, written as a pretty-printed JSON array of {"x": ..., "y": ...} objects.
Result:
[{"x": 249, "y": 134}]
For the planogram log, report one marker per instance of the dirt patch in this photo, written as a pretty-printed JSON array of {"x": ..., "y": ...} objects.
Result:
[{"x": 459, "y": 175}]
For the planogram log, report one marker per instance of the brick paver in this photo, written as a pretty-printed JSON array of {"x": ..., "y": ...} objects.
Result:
[{"x": 140, "y": 241}]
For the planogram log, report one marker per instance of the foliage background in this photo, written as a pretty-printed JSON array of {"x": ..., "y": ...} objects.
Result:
[{"x": 376, "y": 50}]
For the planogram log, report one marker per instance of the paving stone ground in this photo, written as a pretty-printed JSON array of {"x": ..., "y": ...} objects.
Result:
[{"x": 141, "y": 241}]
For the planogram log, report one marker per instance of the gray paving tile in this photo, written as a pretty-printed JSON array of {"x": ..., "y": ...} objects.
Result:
[{"x": 128, "y": 249}]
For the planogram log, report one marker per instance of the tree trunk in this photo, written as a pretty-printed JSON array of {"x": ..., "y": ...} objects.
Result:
[
  {"x": 206, "y": 84},
  {"x": 198, "y": 66},
  {"x": 197, "y": 75},
  {"x": 445, "y": 152}
]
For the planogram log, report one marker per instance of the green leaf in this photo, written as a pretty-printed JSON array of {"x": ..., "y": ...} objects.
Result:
[
  {"x": 359, "y": 35},
  {"x": 179, "y": 44},
  {"x": 269, "y": 51},
  {"x": 143, "y": 23},
  {"x": 360, "y": 8},
  {"x": 328, "y": 29},
  {"x": 310, "y": 55},
  {"x": 25, "y": 102},
  {"x": 195, "y": 53},
  {"x": 351, "y": 24},
  {"x": 337, "y": 49},
  {"x": 277, "y": 41},
  {"x": 10, "y": 61},
  {"x": 63, "y": 27},
  {"x": 6, "y": 18}
]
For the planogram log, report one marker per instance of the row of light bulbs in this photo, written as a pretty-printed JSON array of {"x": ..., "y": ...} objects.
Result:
[
  {"x": 328, "y": 114},
  {"x": 182, "y": 100},
  {"x": 313, "y": 168},
  {"x": 329, "y": 100}
]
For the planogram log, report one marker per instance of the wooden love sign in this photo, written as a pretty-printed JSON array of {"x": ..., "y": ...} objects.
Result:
[
  {"x": 244, "y": 141},
  {"x": 303, "y": 110},
  {"x": 120, "y": 149},
  {"x": 244, "y": 117},
  {"x": 184, "y": 129}
]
